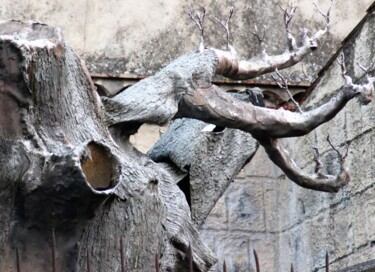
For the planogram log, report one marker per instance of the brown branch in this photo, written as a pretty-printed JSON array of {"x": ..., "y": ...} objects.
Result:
[
  {"x": 317, "y": 181},
  {"x": 232, "y": 67},
  {"x": 342, "y": 157},
  {"x": 214, "y": 106}
]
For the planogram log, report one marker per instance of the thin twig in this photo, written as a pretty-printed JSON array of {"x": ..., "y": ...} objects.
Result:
[
  {"x": 198, "y": 19},
  {"x": 190, "y": 258},
  {"x": 342, "y": 157},
  {"x": 362, "y": 67},
  {"x": 256, "y": 33},
  {"x": 157, "y": 263},
  {"x": 327, "y": 19},
  {"x": 284, "y": 85},
  {"x": 288, "y": 16},
  {"x": 225, "y": 25},
  {"x": 326, "y": 15},
  {"x": 318, "y": 162},
  {"x": 341, "y": 62}
]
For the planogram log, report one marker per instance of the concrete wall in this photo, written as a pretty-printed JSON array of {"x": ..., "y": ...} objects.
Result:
[
  {"x": 127, "y": 36},
  {"x": 288, "y": 224}
]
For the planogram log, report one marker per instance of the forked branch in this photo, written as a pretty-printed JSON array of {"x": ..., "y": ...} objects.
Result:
[
  {"x": 284, "y": 85},
  {"x": 198, "y": 19},
  {"x": 256, "y": 33},
  {"x": 225, "y": 25},
  {"x": 214, "y": 106},
  {"x": 288, "y": 16},
  {"x": 232, "y": 67},
  {"x": 317, "y": 181},
  {"x": 327, "y": 19},
  {"x": 363, "y": 91}
]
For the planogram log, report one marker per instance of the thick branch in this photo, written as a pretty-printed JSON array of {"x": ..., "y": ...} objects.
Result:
[
  {"x": 317, "y": 181},
  {"x": 232, "y": 67},
  {"x": 214, "y": 106}
]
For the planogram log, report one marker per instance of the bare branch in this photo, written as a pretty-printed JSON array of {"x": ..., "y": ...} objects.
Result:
[
  {"x": 198, "y": 19},
  {"x": 240, "y": 69},
  {"x": 225, "y": 25},
  {"x": 214, "y": 106},
  {"x": 326, "y": 16},
  {"x": 284, "y": 85},
  {"x": 342, "y": 157},
  {"x": 259, "y": 37},
  {"x": 288, "y": 16},
  {"x": 362, "y": 67},
  {"x": 327, "y": 19},
  {"x": 364, "y": 91},
  {"x": 318, "y": 163},
  {"x": 317, "y": 181}
]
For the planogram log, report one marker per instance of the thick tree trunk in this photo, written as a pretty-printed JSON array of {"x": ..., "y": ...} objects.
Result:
[{"x": 62, "y": 173}]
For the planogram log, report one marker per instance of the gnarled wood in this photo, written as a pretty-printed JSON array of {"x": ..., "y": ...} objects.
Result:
[{"x": 62, "y": 171}]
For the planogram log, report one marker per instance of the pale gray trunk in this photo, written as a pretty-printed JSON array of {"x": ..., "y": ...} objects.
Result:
[{"x": 62, "y": 172}]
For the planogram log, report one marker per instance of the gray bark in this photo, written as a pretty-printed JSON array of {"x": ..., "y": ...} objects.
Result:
[
  {"x": 62, "y": 171},
  {"x": 210, "y": 160}
]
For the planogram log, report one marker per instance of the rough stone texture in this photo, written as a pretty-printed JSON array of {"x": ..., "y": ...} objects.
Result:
[{"x": 297, "y": 225}]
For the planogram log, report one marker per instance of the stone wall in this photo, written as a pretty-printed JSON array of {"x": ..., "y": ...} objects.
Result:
[{"x": 287, "y": 224}]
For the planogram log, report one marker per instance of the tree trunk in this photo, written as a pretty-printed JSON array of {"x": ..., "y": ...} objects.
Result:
[{"x": 69, "y": 192}]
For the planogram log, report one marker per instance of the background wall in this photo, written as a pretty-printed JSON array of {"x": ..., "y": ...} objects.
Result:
[
  {"x": 141, "y": 36},
  {"x": 287, "y": 224},
  {"x": 261, "y": 209}
]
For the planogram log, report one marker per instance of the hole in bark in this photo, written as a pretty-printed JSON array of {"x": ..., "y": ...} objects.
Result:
[
  {"x": 218, "y": 129},
  {"x": 98, "y": 167},
  {"x": 184, "y": 186}
]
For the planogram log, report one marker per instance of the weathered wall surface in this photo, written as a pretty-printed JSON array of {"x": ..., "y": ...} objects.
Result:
[
  {"x": 141, "y": 36},
  {"x": 288, "y": 224}
]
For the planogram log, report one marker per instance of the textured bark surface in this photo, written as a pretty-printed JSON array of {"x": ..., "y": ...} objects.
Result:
[
  {"x": 209, "y": 160},
  {"x": 62, "y": 172}
]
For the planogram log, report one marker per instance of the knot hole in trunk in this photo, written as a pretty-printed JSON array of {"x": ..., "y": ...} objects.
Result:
[{"x": 99, "y": 167}]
